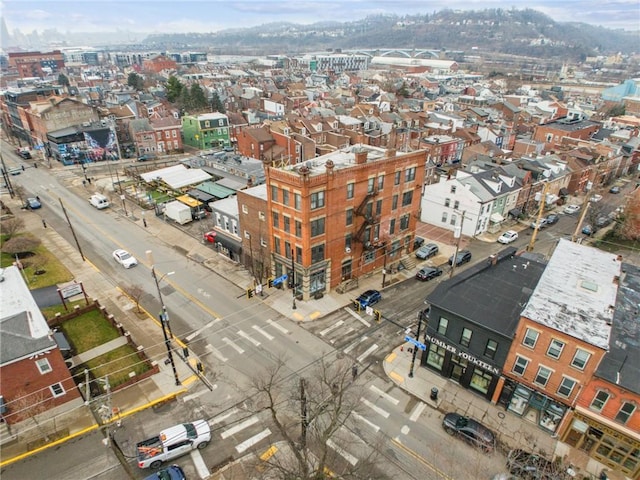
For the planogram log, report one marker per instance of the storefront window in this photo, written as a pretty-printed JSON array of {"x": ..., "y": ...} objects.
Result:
[
  {"x": 480, "y": 380},
  {"x": 551, "y": 417},
  {"x": 436, "y": 356},
  {"x": 519, "y": 401}
]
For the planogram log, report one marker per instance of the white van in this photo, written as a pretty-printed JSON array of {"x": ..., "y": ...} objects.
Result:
[{"x": 99, "y": 201}]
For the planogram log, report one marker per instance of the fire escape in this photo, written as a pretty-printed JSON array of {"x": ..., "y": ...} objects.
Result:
[{"x": 365, "y": 210}]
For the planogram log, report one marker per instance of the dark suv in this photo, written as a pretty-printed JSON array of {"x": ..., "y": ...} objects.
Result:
[
  {"x": 463, "y": 256},
  {"x": 469, "y": 430}
]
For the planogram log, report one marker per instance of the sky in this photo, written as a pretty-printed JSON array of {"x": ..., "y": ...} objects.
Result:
[{"x": 179, "y": 16}]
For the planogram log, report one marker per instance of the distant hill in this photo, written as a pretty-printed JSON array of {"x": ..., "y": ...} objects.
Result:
[{"x": 518, "y": 32}]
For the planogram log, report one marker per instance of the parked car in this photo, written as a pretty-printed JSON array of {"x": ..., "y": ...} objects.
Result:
[
  {"x": 539, "y": 224},
  {"x": 172, "y": 472},
  {"x": 427, "y": 251},
  {"x": 603, "y": 221},
  {"x": 26, "y": 154},
  {"x": 595, "y": 197},
  {"x": 124, "y": 258},
  {"x": 552, "y": 218},
  {"x": 614, "y": 189},
  {"x": 368, "y": 298},
  {"x": 210, "y": 237},
  {"x": 427, "y": 273},
  {"x": 570, "y": 209},
  {"x": 33, "y": 203},
  {"x": 508, "y": 237},
  {"x": 463, "y": 256},
  {"x": 587, "y": 229},
  {"x": 469, "y": 430},
  {"x": 418, "y": 242}
]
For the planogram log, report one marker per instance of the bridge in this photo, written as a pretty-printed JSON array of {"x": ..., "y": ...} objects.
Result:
[{"x": 401, "y": 52}]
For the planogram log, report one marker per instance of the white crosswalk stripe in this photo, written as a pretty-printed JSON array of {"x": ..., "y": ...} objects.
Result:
[
  {"x": 384, "y": 395},
  {"x": 417, "y": 411},
  {"x": 364, "y": 420},
  {"x": 253, "y": 440},
  {"x": 232, "y": 345},
  {"x": 278, "y": 326},
  {"x": 375, "y": 408},
  {"x": 216, "y": 353},
  {"x": 342, "y": 452},
  {"x": 368, "y": 352},
  {"x": 224, "y": 416},
  {"x": 239, "y": 427},
  {"x": 262, "y": 332},
  {"x": 247, "y": 337},
  {"x": 330, "y": 328}
]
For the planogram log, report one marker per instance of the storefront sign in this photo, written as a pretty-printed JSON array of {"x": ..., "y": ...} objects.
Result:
[{"x": 464, "y": 355}]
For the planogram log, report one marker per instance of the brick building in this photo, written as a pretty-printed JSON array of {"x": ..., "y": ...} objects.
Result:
[
  {"x": 158, "y": 64},
  {"x": 36, "y": 64},
  {"x": 342, "y": 215},
  {"x": 551, "y": 134}
]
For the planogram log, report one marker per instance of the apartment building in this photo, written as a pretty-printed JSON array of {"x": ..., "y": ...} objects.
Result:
[{"x": 342, "y": 215}]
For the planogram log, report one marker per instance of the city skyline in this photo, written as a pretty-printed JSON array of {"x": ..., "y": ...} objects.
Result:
[{"x": 203, "y": 16}]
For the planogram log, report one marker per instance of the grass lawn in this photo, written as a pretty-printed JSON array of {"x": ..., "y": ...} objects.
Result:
[
  {"x": 117, "y": 364},
  {"x": 159, "y": 197},
  {"x": 50, "y": 312},
  {"x": 54, "y": 271},
  {"x": 88, "y": 331}
]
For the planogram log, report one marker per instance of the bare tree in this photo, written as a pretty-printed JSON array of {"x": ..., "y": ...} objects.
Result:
[
  {"x": 135, "y": 292},
  {"x": 28, "y": 406},
  {"x": 314, "y": 415},
  {"x": 21, "y": 245},
  {"x": 21, "y": 193},
  {"x": 12, "y": 226}
]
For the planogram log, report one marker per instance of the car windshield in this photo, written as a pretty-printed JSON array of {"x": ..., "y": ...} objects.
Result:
[{"x": 124, "y": 255}]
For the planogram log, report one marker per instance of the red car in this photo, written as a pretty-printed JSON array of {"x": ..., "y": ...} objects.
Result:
[{"x": 210, "y": 237}]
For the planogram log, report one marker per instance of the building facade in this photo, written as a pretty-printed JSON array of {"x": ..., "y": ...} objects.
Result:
[{"x": 206, "y": 131}]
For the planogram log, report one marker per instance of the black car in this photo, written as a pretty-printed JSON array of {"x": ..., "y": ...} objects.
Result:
[
  {"x": 463, "y": 256},
  {"x": 427, "y": 273},
  {"x": 25, "y": 154},
  {"x": 418, "y": 242},
  {"x": 552, "y": 218},
  {"x": 469, "y": 430}
]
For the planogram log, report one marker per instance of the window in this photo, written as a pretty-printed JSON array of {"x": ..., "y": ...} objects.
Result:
[
  {"x": 285, "y": 197},
  {"x": 580, "y": 359},
  {"x": 456, "y": 204},
  {"x": 443, "y": 323},
  {"x": 350, "y": 189},
  {"x": 392, "y": 226},
  {"x": 396, "y": 178},
  {"x": 566, "y": 387},
  {"x": 261, "y": 216},
  {"x": 298, "y": 225},
  {"x": 347, "y": 241},
  {"x": 247, "y": 235},
  {"x": 297, "y": 198},
  {"x": 380, "y": 182},
  {"x": 317, "y": 200},
  {"x": 298, "y": 254},
  {"x": 394, "y": 202},
  {"x": 274, "y": 193},
  {"x": 276, "y": 219},
  {"x": 447, "y": 202},
  {"x": 317, "y": 253},
  {"x": 444, "y": 217},
  {"x": 288, "y": 252},
  {"x": 599, "y": 400},
  {"x": 287, "y": 224},
  {"x": 625, "y": 412},
  {"x": 410, "y": 174},
  {"x": 349, "y": 217},
  {"x": 43, "y": 365},
  {"x": 454, "y": 219},
  {"x": 245, "y": 209},
  {"x": 453, "y": 189},
  {"x": 530, "y": 338},
  {"x": 276, "y": 244},
  {"x": 407, "y": 197},
  {"x": 378, "y": 207},
  {"x": 371, "y": 182},
  {"x": 555, "y": 349},
  {"x": 404, "y": 222},
  {"x": 317, "y": 227},
  {"x": 57, "y": 389},
  {"x": 490, "y": 349},
  {"x": 465, "y": 338},
  {"x": 263, "y": 242},
  {"x": 542, "y": 377},
  {"x": 520, "y": 365}
]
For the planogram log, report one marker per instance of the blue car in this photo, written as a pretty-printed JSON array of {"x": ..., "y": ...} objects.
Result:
[
  {"x": 173, "y": 472},
  {"x": 33, "y": 203},
  {"x": 368, "y": 298}
]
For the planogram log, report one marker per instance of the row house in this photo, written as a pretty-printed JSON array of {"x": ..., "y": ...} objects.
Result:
[
  {"x": 443, "y": 150},
  {"x": 168, "y": 135},
  {"x": 552, "y": 133},
  {"x": 342, "y": 215},
  {"x": 206, "y": 131},
  {"x": 255, "y": 231},
  {"x": 159, "y": 63}
]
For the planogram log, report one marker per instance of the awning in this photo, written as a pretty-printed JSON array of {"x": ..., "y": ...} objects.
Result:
[
  {"x": 189, "y": 201},
  {"x": 228, "y": 243},
  {"x": 564, "y": 192},
  {"x": 496, "y": 218}
]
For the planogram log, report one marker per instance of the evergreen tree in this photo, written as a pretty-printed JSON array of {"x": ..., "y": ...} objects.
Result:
[
  {"x": 135, "y": 81},
  {"x": 197, "y": 97},
  {"x": 216, "y": 104},
  {"x": 174, "y": 89},
  {"x": 63, "y": 80},
  {"x": 185, "y": 99}
]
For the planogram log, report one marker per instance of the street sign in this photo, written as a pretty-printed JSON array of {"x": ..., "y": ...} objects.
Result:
[
  {"x": 369, "y": 310},
  {"x": 71, "y": 290},
  {"x": 280, "y": 279},
  {"x": 415, "y": 342}
]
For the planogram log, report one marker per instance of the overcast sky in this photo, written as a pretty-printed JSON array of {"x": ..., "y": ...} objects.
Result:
[{"x": 178, "y": 16}]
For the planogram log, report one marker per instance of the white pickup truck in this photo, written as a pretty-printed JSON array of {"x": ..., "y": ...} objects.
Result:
[{"x": 173, "y": 442}]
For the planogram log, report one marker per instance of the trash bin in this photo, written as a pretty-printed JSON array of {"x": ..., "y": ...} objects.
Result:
[{"x": 434, "y": 394}]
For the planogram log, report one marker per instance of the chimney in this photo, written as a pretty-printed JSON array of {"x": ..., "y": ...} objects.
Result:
[
  {"x": 361, "y": 156},
  {"x": 391, "y": 152}
]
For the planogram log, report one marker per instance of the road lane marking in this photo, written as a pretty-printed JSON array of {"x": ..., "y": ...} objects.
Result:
[
  {"x": 364, "y": 420},
  {"x": 384, "y": 395},
  {"x": 397, "y": 377},
  {"x": 199, "y": 331},
  {"x": 375, "y": 408},
  {"x": 253, "y": 440},
  {"x": 232, "y": 345},
  {"x": 355, "y": 344},
  {"x": 417, "y": 411},
  {"x": 342, "y": 452},
  {"x": 391, "y": 357},
  {"x": 262, "y": 332},
  {"x": 216, "y": 353},
  {"x": 186, "y": 398},
  {"x": 314, "y": 315},
  {"x": 368, "y": 352},
  {"x": 330, "y": 328},
  {"x": 405, "y": 429},
  {"x": 239, "y": 427},
  {"x": 270, "y": 452},
  {"x": 201, "y": 466},
  {"x": 247, "y": 337},
  {"x": 278, "y": 326},
  {"x": 224, "y": 416}
]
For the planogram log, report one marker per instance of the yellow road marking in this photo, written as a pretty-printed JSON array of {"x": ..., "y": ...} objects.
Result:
[
  {"x": 391, "y": 357},
  {"x": 270, "y": 452},
  {"x": 314, "y": 315},
  {"x": 397, "y": 377}
]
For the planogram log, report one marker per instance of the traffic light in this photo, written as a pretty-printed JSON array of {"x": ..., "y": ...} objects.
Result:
[
  {"x": 378, "y": 315},
  {"x": 356, "y": 305},
  {"x": 270, "y": 282},
  {"x": 249, "y": 292}
]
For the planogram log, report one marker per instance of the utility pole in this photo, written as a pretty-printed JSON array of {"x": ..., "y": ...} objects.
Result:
[
  {"x": 304, "y": 420},
  {"x": 543, "y": 201},
  {"x": 415, "y": 348},
  {"x": 585, "y": 208},
  {"x": 457, "y": 233},
  {"x": 64, "y": 210},
  {"x": 293, "y": 280}
]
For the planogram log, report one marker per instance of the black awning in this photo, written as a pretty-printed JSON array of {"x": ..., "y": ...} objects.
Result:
[
  {"x": 563, "y": 192},
  {"x": 231, "y": 245},
  {"x": 515, "y": 212},
  {"x": 200, "y": 195}
]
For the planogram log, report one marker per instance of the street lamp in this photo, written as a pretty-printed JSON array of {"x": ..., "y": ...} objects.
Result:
[
  {"x": 293, "y": 280},
  {"x": 164, "y": 315}
]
